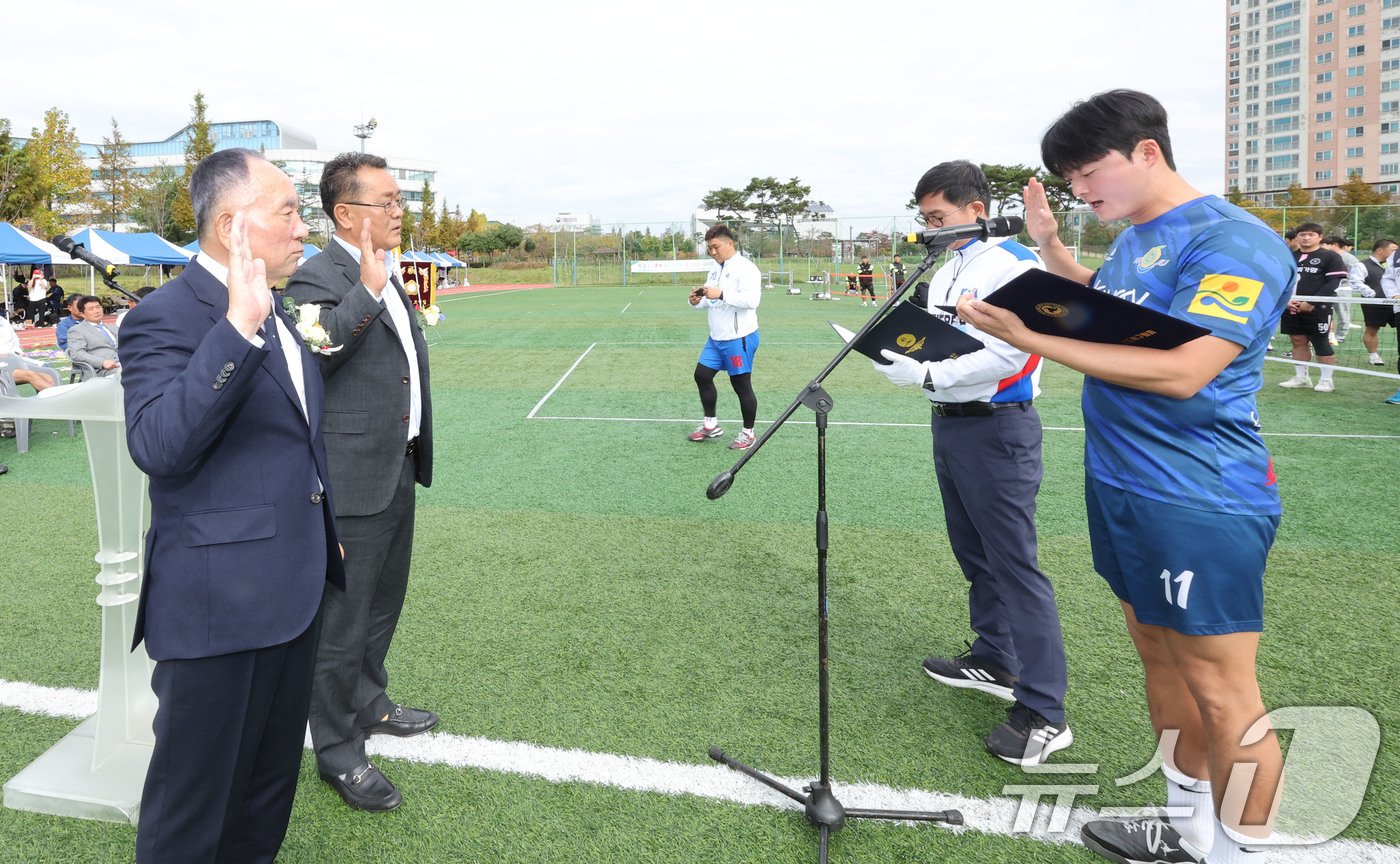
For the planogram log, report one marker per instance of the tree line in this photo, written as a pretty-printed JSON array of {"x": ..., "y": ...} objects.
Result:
[{"x": 46, "y": 188}]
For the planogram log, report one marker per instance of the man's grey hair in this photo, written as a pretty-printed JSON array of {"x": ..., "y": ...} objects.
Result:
[{"x": 217, "y": 177}]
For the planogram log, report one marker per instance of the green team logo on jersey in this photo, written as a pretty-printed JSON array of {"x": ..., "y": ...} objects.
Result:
[{"x": 1151, "y": 258}]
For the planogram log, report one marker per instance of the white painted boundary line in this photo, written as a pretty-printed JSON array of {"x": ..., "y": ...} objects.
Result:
[
  {"x": 487, "y": 294},
  {"x": 624, "y": 309},
  {"x": 713, "y": 782},
  {"x": 1346, "y": 369},
  {"x": 546, "y": 396},
  {"x": 921, "y": 426}
]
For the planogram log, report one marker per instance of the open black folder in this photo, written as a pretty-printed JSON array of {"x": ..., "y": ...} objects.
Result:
[
  {"x": 1057, "y": 306},
  {"x": 911, "y": 331}
]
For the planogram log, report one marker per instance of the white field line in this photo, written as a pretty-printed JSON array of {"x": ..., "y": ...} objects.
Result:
[
  {"x": 557, "y": 384},
  {"x": 624, "y": 309},
  {"x": 715, "y": 782},
  {"x": 920, "y": 426},
  {"x": 487, "y": 294},
  {"x": 1348, "y": 369}
]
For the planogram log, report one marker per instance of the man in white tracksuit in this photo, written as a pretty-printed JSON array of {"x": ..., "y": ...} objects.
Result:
[{"x": 730, "y": 296}]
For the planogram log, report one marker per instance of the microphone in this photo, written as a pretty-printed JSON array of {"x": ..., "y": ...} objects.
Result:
[
  {"x": 77, "y": 250},
  {"x": 1001, "y": 226},
  {"x": 105, "y": 267}
]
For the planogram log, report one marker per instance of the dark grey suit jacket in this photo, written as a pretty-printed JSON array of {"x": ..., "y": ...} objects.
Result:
[{"x": 367, "y": 386}]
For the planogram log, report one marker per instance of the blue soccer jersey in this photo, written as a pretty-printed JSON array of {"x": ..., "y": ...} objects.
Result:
[{"x": 1210, "y": 263}]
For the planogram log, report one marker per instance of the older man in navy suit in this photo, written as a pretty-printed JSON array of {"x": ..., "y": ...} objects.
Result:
[{"x": 223, "y": 408}]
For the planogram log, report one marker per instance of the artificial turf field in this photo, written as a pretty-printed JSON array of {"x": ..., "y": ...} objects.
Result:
[{"x": 574, "y": 589}]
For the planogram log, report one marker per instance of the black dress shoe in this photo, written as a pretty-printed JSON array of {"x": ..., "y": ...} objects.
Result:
[
  {"x": 366, "y": 789},
  {"x": 403, "y": 722}
]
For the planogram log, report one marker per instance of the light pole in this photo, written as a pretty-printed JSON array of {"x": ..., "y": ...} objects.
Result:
[{"x": 364, "y": 130}]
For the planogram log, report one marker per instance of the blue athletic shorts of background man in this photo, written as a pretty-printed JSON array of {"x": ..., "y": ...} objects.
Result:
[
  {"x": 1180, "y": 490},
  {"x": 730, "y": 296}
]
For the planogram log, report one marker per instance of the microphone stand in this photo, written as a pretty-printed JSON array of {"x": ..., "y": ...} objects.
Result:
[
  {"x": 110, "y": 281},
  {"x": 820, "y": 804}
]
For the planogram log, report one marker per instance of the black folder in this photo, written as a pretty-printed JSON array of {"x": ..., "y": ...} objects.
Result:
[
  {"x": 1057, "y": 306},
  {"x": 913, "y": 332}
]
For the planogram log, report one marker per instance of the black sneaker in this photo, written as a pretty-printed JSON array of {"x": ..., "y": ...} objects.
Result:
[
  {"x": 972, "y": 672},
  {"x": 1142, "y": 841},
  {"x": 1026, "y": 738}
]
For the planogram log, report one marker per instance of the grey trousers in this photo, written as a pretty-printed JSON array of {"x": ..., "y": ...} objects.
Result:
[
  {"x": 357, "y": 626},
  {"x": 989, "y": 472}
]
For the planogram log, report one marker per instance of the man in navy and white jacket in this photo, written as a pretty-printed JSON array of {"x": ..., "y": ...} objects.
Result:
[{"x": 986, "y": 440}]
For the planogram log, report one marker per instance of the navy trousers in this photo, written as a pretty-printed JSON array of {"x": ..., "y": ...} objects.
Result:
[
  {"x": 229, "y": 732},
  {"x": 989, "y": 472}
]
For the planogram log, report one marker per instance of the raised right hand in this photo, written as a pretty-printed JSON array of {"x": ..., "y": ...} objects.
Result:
[
  {"x": 249, "y": 299},
  {"x": 1040, "y": 221},
  {"x": 372, "y": 271}
]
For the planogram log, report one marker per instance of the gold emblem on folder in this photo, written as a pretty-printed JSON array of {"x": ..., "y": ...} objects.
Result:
[
  {"x": 909, "y": 342},
  {"x": 1051, "y": 310}
]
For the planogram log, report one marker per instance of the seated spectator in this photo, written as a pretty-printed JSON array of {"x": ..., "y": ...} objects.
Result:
[
  {"x": 9, "y": 344},
  {"x": 131, "y": 304},
  {"x": 73, "y": 317},
  {"x": 92, "y": 342}
]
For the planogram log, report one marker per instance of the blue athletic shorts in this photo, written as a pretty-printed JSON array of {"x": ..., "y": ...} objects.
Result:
[
  {"x": 734, "y": 356},
  {"x": 1193, "y": 571}
]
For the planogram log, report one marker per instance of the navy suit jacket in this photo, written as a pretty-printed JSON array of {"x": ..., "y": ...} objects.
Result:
[{"x": 242, "y": 540}]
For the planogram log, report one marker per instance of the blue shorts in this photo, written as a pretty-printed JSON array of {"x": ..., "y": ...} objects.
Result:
[
  {"x": 1193, "y": 571},
  {"x": 734, "y": 356}
]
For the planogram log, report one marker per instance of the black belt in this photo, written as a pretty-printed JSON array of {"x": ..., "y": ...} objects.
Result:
[
  {"x": 975, "y": 409},
  {"x": 411, "y": 448}
]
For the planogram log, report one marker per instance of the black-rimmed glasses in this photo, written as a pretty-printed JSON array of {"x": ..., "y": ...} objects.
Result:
[{"x": 388, "y": 206}]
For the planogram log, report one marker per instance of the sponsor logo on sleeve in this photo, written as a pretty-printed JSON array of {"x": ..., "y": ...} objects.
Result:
[{"x": 1223, "y": 296}]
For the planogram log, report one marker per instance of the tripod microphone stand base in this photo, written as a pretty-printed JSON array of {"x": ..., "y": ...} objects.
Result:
[{"x": 822, "y": 808}]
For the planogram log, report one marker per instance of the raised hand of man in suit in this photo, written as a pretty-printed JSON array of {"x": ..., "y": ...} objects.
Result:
[
  {"x": 249, "y": 300},
  {"x": 373, "y": 273}
]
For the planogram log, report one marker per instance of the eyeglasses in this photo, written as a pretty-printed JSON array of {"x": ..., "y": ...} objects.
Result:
[
  {"x": 936, "y": 221},
  {"x": 388, "y": 206}
]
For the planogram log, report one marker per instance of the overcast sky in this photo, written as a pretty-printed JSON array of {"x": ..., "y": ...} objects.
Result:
[{"x": 632, "y": 111}]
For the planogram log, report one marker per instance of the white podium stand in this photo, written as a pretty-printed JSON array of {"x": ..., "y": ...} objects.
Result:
[{"x": 98, "y": 769}]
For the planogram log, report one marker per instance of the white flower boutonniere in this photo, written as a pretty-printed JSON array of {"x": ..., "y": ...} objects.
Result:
[{"x": 306, "y": 316}]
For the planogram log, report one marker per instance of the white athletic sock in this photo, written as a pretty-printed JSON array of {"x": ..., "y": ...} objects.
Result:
[
  {"x": 1184, "y": 791},
  {"x": 1326, "y": 373},
  {"x": 1300, "y": 371},
  {"x": 711, "y": 422},
  {"x": 1234, "y": 848}
]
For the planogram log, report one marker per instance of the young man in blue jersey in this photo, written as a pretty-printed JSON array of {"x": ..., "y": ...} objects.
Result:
[
  {"x": 986, "y": 455},
  {"x": 1180, "y": 489}
]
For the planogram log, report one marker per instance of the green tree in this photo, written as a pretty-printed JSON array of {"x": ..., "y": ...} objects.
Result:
[
  {"x": 17, "y": 192},
  {"x": 1006, "y": 182},
  {"x": 120, "y": 184},
  {"x": 726, "y": 200},
  {"x": 1057, "y": 191},
  {"x": 154, "y": 206},
  {"x": 199, "y": 145},
  {"x": 427, "y": 219},
  {"x": 61, "y": 180},
  {"x": 476, "y": 221}
]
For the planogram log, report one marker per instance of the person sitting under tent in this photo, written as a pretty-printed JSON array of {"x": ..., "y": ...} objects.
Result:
[{"x": 93, "y": 342}]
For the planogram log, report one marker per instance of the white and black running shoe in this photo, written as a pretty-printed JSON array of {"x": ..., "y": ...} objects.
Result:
[
  {"x": 971, "y": 672},
  {"x": 1141, "y": 841},
  {"x": 1026, "y": 738}
]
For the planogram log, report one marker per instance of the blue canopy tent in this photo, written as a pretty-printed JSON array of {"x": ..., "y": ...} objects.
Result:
[
  {"x": 17, "y": 247},
  {"x": 145, "y": 249}
]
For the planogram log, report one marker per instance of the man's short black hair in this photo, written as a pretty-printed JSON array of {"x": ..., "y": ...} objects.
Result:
[
  {"x": 1333, "y": 240},
  {"x": 959, "y": 182},
  {"x": 1380, "y": 244},
  {"x": 1290, "y": 234},
  {"x": 88, "y": 298},
  {"x": 340, "y": 180},
  {"x": 144, "y": 290},
  {"x": 1114, "y": 120},
  {"x": 70, "y": 300},
  {"x": 1308, "y": 226},
  {"x": 720, "y": 230}
]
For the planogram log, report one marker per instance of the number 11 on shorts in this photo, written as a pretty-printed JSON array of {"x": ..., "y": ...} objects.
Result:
[{"x": 1183, "y": 593}]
